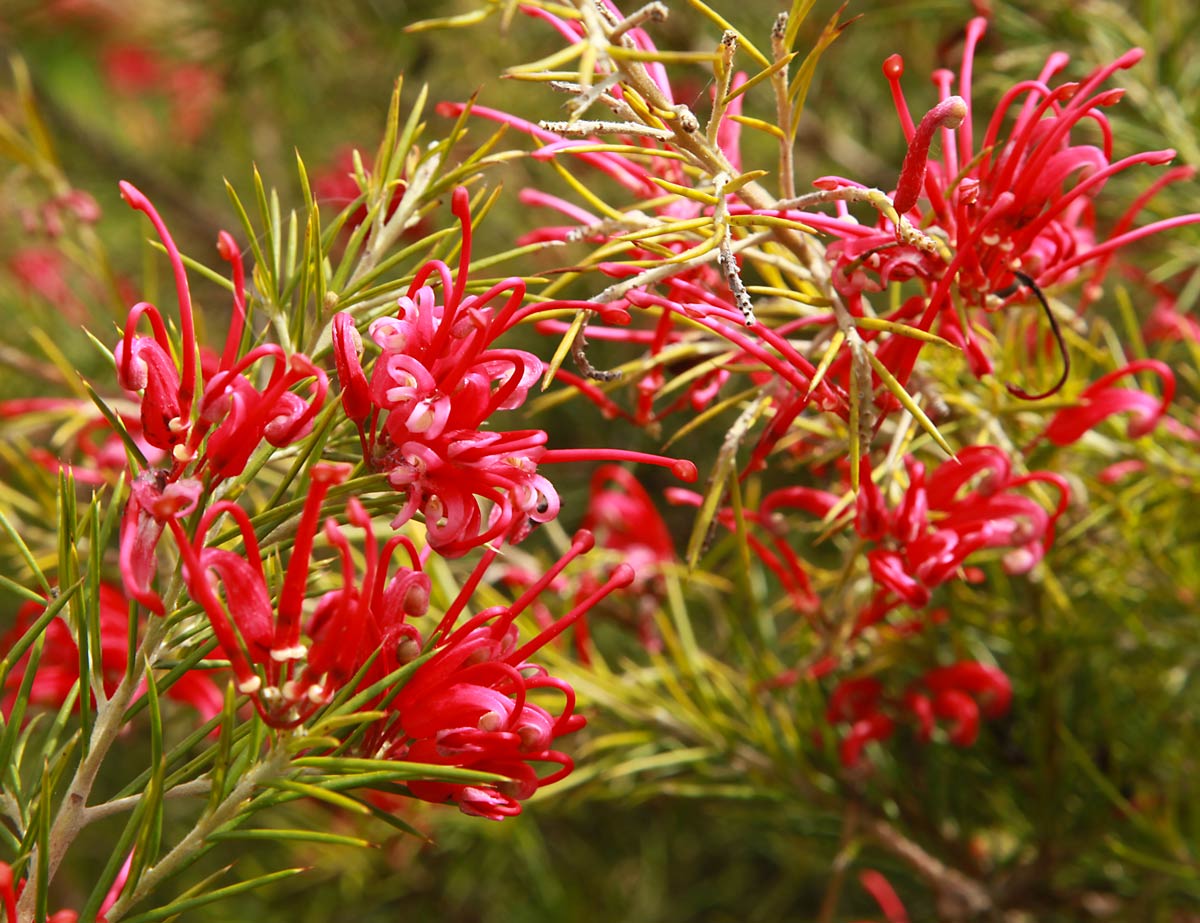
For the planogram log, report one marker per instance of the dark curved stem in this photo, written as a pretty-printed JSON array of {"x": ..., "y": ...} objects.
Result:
[{"x": 1021, "y": 393}]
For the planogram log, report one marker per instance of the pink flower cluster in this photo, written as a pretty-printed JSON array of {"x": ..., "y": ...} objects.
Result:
[{"x": 435, "y": 385}]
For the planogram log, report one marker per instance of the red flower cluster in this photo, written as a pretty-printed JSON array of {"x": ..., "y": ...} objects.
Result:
[
  {"x": 1017, "y": 212},
  {"x": 234, "y": 415},
  {"x": 434, "y": 387},
  {"x": 470, "y": 704},
  {"x": 968, "y": 504},
  {"x": 467, "y": 705},
  {"x": 624, "y": 519},
  {"x": 1101, "y": 400},
  {"x": 959, "y": 694}
]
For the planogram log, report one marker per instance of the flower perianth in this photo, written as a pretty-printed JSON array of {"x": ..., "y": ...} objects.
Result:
[
  {"x": 153, "y": 503},
  {"x": 347, "y": 354},
  {"x": 244, "y": 416},
  {"x": 145, "y": 364},
  {"x": 286, "y": 643},
  {"x": 228, "y": 248}
]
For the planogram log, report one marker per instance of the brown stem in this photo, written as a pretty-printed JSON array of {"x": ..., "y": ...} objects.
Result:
[
  {"x": 960, "y": 897},
  {"x": 841, "y": 864},
  {"x": 783, "y": 109}
]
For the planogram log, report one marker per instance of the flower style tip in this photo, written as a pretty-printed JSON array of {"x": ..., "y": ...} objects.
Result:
[
  {"x": 685, "y": 470},
  {"x": 132, "y": 195},
  {"x": 188, "y": 383},
  {"x": 460, "y": 203},
  {"x": 622, "y": 576},
  {"x": 230, "y": 252},
  {"x": 583, "y": 541},
  {"x": 152, "y": 505},
  {"x": 949, "y": 113},
  {"x": 227, "y": 247}
]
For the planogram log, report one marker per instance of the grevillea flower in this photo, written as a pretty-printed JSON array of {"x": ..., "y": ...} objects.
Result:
[
  {"x": 1026, "y": 201},
  {"x": 959, "y": 693},
  {"x": 1101, "y": 400},
  {"x": 1167, "y": 322},
  {"x": 261, "y": 641},
  {"x": 622, "y": 516},
  {"x": 215, "y": 434},
  {"x": 10, "y": 891},
  {"x": 154, "y": 501},
  {"x": 435, "y": 386},
  {"x": 239, "y": 414},
  {"x": 1004, "y": 218},
  {"x": 471, "y": 703},
  {"x": 943, "y": 520},
  {"x": 58, "y": 668},
  {"x": 858, "y": 703},
  {"x": 145, "y": 363},
  {"x": 970, "y": 503},
  {"x": 885, "y": 896}
]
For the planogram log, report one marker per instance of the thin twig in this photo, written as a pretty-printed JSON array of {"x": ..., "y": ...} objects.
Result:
[
  {"x": 110, "y": 718},
  {"x": 596, "y": 127},
  {"x": 119, "y": 805},
  {"x": 729, "y": 43},
  {"x": 269, "y": 768},
  {"x": 841, "y": 863},
  {"x": 783, "y": 108},
  {"x": 651, "y": 12},
  {"x": 962, "y": 896}
]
